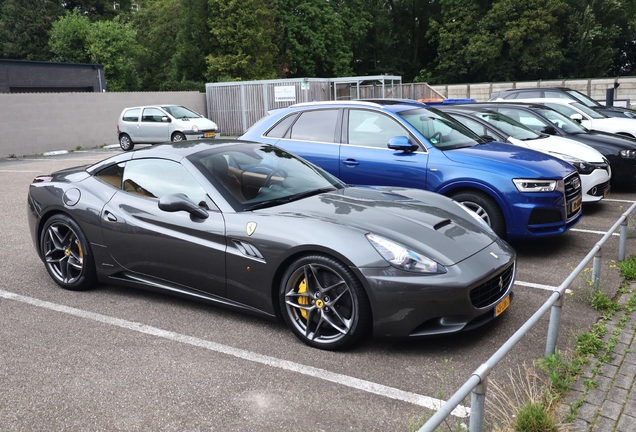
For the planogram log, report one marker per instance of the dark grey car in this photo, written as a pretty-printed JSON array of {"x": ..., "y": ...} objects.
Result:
[{"x": 252, "y": 227}]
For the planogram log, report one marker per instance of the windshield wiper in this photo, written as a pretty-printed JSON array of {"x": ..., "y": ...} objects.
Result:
[{"x": 290, "y": 198}]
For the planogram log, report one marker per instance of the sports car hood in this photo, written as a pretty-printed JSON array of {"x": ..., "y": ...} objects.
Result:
[
  {"x": 426, "y": 222},
  {"x": 517, "y": 161}
]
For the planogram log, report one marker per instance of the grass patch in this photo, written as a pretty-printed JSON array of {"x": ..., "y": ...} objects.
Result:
[{"x": 627, "y": 268}]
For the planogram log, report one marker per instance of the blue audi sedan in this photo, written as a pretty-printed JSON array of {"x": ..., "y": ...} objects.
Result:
[{"x": 520, "y": 193}]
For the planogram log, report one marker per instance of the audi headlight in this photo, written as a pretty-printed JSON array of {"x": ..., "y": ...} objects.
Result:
[
  {"x": 403, "y": 258},
  {"x": 533, "y": 185},
  {"x": 581, "y": 166},
  {"x": 195, "y": 128},
  {"x": 626, "y": 153}
]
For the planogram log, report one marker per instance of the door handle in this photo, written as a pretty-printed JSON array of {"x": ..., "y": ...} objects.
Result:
[
  {"x": 109, "y": 216},
  {"x": 350, "y": 162}
]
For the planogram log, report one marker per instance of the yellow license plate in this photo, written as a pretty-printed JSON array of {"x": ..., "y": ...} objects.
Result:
[
  {"x": 209, "y": 134},
  {"x": 576, "y": 205},
  {"x": 502, "y": 306},
  {"x": 606, "y": 193}
]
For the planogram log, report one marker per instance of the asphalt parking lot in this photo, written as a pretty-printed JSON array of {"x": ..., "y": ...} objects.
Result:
[{"x": 118, "y": 359}]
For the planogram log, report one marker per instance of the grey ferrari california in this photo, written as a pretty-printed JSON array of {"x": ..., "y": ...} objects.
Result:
[{"x": 252, "y": 227}]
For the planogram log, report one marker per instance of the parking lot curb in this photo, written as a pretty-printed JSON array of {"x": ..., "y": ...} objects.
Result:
[{"x": 604, "y": 394}]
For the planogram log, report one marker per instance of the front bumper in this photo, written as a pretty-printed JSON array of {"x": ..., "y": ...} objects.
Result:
[{"x": 407, "y": 305}]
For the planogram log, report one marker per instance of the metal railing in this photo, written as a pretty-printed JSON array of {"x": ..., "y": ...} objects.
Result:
[{"x": 477, "y": 384}]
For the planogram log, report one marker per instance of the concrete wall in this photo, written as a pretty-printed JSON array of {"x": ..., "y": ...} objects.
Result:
[
  {"x": 33, "y": 123},
  {"x": 595, "y": 88}
]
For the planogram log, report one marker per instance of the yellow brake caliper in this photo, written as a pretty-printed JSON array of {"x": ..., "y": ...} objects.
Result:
[
  {"x": 302, "y": 288},
  {"x": 79, "y": 251}
]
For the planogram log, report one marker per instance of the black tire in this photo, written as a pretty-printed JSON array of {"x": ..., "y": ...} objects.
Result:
[
  {"x": 486, "y": 207},
  {"x": 177, "y": 136},
  {"x": 324, "y": 303},
  {"x": 125, "y": 142},
  {"x": 67, "y": 254}
]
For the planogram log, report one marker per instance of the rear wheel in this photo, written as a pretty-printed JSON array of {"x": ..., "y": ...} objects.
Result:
[
  {"x": 125, "y": 142},
  {"x": 178, "y": 136},
  {"x": 324, "y": 303},
  {"x": 67, "y": 254},
  {"x": 486, "y": 207}
]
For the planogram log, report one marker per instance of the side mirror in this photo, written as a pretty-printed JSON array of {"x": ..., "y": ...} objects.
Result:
[
  {"x": 577, "y": 118},
  {"x": 165, "y": 119},
  {"x": 550, "y": 130},
  {"x": 488, "y": 138},
  {"x": 401, "y": 143},
  {"x": 180, "y": 202}
]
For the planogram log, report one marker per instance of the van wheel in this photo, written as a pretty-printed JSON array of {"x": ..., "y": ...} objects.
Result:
[
  {"x": 178, "y": 136},
  {"x": 125, "y": 142},
  {"x": 485, "y": 207}
]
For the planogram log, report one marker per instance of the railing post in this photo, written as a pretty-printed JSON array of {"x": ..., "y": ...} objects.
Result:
[
  {"x": 596, "y": 269},
  {"x": 477, "y": 406},
  {"x": 553, "y": 328},
  {"x": 622, "y": 241}
]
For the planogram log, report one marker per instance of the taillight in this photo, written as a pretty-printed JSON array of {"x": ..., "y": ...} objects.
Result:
[
  {"x": 118, "y": 128},
  {"x": 42, "y": 179}
]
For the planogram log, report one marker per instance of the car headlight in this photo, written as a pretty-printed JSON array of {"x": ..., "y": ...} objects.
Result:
[
  {"x": 195, "y": 128},
  {"x": 581, "y": 166},
  {"x": 403, "y": 258},
  {"x": 626, "y": 153},
  {"x": 534, "y": 185}
]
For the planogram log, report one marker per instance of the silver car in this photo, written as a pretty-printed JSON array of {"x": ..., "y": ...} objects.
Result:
[{"x": 161, "y": 123}]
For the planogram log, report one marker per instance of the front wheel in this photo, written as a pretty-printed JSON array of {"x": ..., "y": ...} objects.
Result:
[
  {"x": 324, "y": 303},
  {"x": 485, "y": 207},
  {"x": 178, "y": 136},
  {"x": 67, "y": 254}
]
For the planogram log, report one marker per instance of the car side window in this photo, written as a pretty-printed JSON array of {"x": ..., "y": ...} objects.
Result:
[
  {"x": 524, "y": 118},
  {"x": 152, "y": 115},
  {"x": 154, "y": 178},
  {"x": 280, "y": 130},
  {"x": 558, "y": 95},
  {"x": 131, "y": 115},
  {"x": 472, "y": 125},
  {"x": 529, "y": 94},
  {"x": 318, "y": 125},
  {"x": 370, "y": 128}
]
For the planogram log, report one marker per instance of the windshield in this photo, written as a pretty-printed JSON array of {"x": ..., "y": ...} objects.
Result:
[
  {"x": 509, "y": 126},
  {"x": 441, "y": 130},
  {"x": 250, "y": 175},
  {"x": 589, "y": 111},
  {"x": 583, "y": 98},
  {"x": 180, "y": 112},
  {"x": 562, "y": 122}
]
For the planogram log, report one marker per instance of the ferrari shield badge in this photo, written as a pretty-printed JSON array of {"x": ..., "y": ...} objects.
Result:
[{"x": 250, "y": 228}]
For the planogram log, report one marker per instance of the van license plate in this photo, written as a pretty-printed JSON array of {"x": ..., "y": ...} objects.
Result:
[
  {"x": 502, "y": 306},
  {"x": 209, "y": 134}
]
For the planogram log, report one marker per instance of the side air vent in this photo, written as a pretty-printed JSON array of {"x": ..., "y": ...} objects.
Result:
[{"x": 247, "y": 249}]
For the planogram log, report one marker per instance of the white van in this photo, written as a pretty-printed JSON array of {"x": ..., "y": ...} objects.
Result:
[{"x": 161, "y": 123}]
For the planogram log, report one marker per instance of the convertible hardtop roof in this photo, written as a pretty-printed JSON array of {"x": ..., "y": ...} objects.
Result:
[{"x": 174, "y": 151}]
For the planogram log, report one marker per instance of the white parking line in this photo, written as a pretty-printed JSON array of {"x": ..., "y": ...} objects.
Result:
[
  {"x": 617, "y": 200},
  {"x": 367, "y": 386},
  {"x": 534, "y": 285},
  {"x": 593, "y": 232}
]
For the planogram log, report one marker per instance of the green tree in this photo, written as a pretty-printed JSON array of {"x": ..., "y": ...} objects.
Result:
[
  {"x": 68, "y": 38},
  {"x": 110, "y": 43},
  {"x": 242, "y": 36},
  {"x": 98, "y": 9},
  {"x": 24, "y": 27}
]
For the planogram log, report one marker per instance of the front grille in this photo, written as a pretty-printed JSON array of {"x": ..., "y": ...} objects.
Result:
[
  {"x": 540, "y": 216},
  {"x": 494, "y": 289},
  {"x": 572, "y": 195}
]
